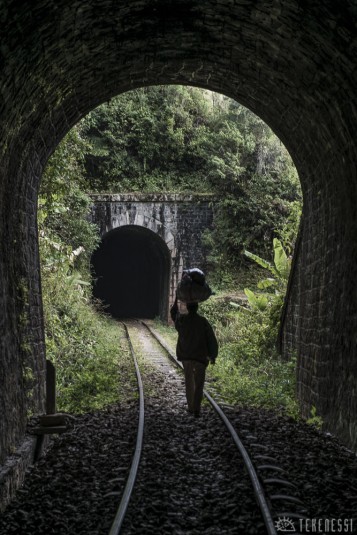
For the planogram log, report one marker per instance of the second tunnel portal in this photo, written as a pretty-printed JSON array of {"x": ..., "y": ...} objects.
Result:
[{"x": 131, "y": 269}]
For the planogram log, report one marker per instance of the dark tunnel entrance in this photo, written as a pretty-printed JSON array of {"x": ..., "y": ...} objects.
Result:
[{"x": 131, "y": 270}]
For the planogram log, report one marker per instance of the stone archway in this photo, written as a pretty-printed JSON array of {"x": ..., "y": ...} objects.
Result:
[
  {"x": 178, "y": 219},
  {"x": 132, "y": 272},
  {"x": 293, "y": 63}
]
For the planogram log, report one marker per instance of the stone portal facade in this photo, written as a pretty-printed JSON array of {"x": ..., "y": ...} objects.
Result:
[{"x": 179, "y": 219}]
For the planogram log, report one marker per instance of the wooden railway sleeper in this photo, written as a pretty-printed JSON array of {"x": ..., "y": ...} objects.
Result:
[
  {"x": 286, "y": 497},
  {"x": 278, "y": 481},
  {"x": 265, "y": 458},
  {"x": 271, "y": 467}
]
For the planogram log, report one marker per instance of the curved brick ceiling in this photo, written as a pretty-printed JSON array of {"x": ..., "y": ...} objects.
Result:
[
  {"x": 286, "y": 61},
  {"x": 292, "y": 62}
]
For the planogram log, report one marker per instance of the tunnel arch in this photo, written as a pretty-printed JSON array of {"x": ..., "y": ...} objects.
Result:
[
  {"x": 131, "y": 268},
  {"x": 292, "y": 63}
]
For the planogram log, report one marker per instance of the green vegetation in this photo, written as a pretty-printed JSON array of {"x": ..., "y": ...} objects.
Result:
[
  {"x": 271, "y": 291},
  {"x": 248, "y": 370},
  {"x": 83, "y": 346},
  {"x": 315, "y": 420},
  {"x": 183, "y": 139},
  {"x": 82, "y": 343},
  {"x": 172, "y": 139}
]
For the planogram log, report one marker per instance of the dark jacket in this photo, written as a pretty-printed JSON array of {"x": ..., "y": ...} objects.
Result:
[{"x": 196, "y": 339}]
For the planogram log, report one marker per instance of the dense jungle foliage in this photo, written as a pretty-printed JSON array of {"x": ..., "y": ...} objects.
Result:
[
  {"x": 82, "y": 343},
  {"x": 172, "y": 139},
  {"x": 183, "y": 139}
]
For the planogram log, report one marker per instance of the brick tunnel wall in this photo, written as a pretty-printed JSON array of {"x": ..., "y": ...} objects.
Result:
[
  {"x": 179, "y": 219},
  {"x": 292, "y": 62},
  {"x": 319, "y": 326}
]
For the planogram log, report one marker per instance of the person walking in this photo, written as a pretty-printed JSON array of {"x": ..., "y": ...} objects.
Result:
[{"x": 196, "y": 347}]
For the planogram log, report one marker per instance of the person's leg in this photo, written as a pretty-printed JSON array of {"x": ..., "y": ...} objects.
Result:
[
  {"x": 199, "y": 373},
  {"x": 189, "y": 383}
]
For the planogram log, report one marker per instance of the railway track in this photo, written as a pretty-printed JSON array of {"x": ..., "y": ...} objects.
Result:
[
  {"x": 236, "y": 512},
  {"x": 191, "y": 477}
]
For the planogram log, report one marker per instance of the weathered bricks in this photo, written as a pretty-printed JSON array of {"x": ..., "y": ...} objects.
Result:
[
  {"x": 292, "y": 62},
  {"x": 178, "y": 219}
]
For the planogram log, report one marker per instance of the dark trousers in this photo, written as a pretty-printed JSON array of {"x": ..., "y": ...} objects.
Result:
[{"x": 194, "y": 380}]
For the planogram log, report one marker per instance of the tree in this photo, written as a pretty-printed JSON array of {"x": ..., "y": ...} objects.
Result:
[
  {"x": 148, "y": 139},
  {"x": 64, "y": 206},
  {"x": 175, "y": 139}
]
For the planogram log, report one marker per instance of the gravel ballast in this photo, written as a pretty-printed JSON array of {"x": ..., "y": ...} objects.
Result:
[{"x": 191, "y": 479}]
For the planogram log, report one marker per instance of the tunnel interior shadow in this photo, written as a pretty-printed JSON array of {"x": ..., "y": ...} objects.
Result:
[{"x": 131, "y": 270}]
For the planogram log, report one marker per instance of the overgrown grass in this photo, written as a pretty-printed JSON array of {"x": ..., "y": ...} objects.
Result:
[
  {"x": 88, "y": 350},
  {"x": 245, "y": 373},
  {"x": 249, "y": 370}
]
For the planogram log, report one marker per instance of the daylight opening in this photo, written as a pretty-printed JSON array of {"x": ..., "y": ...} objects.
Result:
[{"x": 166, "y": 178}]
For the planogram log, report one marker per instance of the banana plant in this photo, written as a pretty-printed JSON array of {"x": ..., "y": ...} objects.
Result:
[
  {"x": 256, "y": 301},
  {"x": 280, "y": 269}
]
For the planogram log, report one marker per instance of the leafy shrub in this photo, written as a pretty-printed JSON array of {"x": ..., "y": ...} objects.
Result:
[
  {"x": 82, "y": 343},
  {"x": 248, "y": 370},
  {"x": 315, "y": 420},
  {"x": 270, "y": 302}
]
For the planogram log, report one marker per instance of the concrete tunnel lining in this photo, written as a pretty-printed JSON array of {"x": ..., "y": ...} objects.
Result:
[{"x": 131, "y": 268}]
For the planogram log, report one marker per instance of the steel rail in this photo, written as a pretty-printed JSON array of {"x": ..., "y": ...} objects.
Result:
[
  {"x": 257, "y": 487},
  {"x": 119, "y": 517}
]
